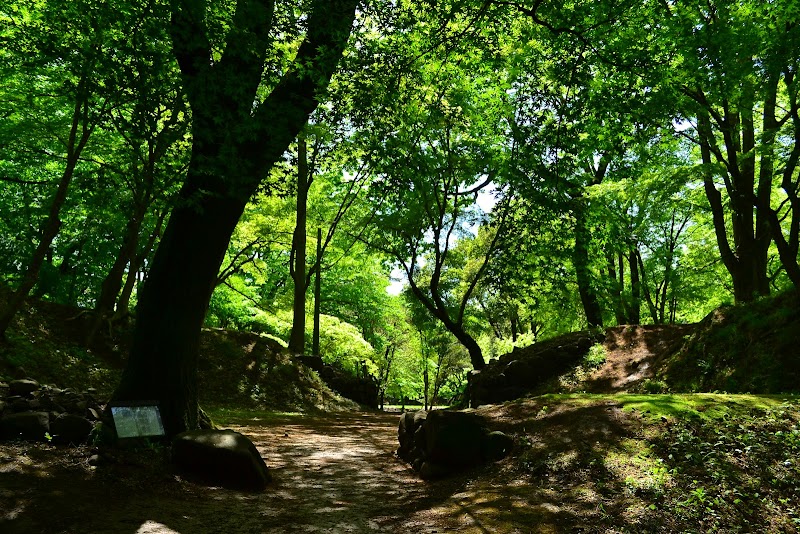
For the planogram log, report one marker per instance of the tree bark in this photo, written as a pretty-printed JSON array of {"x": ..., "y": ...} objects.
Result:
[
  {"x": 635, "y": 313},
  {"x": 112, "y": 283},
  {"x": 123, "y": 303},
  {"x": 617, "y": 289},
  {"x": 746, "y": 260}
]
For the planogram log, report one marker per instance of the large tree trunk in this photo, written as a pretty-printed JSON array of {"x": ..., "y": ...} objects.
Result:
[
  {"x": 172, "y": 306},
  {"x": 234, "y": 146},
  {"x": 746, "y": 260}
]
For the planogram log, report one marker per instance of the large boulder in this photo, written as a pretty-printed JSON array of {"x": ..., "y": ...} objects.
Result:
[
  {"x": 405, "y": 434},
  {"x": 221, "y": 457},
  {"x": 31, "y": 426}
]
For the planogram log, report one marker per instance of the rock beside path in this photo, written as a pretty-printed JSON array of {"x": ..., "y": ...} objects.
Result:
[
  {"x": 443, "y": 442},
  {"x": 221, "y": 457}
]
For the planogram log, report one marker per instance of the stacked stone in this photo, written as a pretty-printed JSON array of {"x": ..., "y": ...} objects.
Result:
[
  {"x": 32, "y": 412},
  {"x": 442, "y": 442}
]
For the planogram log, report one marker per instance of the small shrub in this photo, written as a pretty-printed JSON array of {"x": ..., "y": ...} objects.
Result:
[
  {"x": 654, "y": 386},
  {"x": 596, "y": 356}
]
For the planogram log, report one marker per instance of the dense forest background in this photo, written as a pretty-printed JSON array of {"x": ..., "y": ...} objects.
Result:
[{"x": 474, "y": 176}]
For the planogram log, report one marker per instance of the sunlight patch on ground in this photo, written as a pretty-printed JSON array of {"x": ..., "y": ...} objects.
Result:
[{"x": 154, "y": 527}]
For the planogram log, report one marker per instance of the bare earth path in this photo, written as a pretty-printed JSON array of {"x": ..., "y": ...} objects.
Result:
[{"x": 333, "y": 473}]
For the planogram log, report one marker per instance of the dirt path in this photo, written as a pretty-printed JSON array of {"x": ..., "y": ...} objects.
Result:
[{"x": 335, "y": 473}]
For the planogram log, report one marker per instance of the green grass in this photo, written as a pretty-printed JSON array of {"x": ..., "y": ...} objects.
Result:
[{"x": 694, "y": 405}]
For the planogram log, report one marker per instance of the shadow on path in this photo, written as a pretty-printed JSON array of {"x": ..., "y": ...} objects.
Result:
[{"x": 332, "y": 473}]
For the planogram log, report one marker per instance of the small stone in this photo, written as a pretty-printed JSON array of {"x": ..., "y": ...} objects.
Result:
[{"x": 95, "y": 460}]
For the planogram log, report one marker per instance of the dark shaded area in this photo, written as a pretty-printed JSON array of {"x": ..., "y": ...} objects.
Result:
[
  {"x": 752, "y": 348},
  {"x": 235, "y": 368},
  {"x": 337, "y": 474},
  {"x": 442, "y": 442},
  {"x": 635, "y": 353}
]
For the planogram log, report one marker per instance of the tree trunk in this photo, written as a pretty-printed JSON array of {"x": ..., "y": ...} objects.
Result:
[
  {"x": 651, "y": 305},
  {"x": 746, "y": 260},
  {"x": 474, "y": 350},
  {"x": 234, "y": 146},
  {"x": 317, "y": 296},
  {"x": 123, "y": 303},
  {"x": 297, "y": 338},
  {"x": 616, "y": 289},
  {"x": 635, "y": 314},
  {"x": 580, "y": 256},
  {"x": 513, "y": 326},
  {"x": 787, "y": 247},
  {"x": 112, "y": 283},
  {"x": 172, "y": 307}
]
